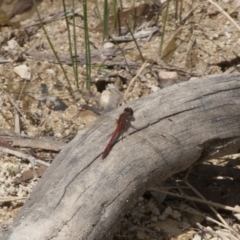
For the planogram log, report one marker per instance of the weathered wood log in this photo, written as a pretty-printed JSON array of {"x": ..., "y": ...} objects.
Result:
[{"x": 82, "y": 196}]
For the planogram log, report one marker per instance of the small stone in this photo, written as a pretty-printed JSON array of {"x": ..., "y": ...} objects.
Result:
[
  {"x": 155, "y": 88},
  {"x": 167, "y": 75},
  {"x": 175, "y": 214},
  {"x": 141, "y": 199},
  {"x": 237, "y": 215},
  {"x": 23, "y": 71},
  {"x": 184, "y": 224},
  {"x": 105, "y": 97},
  {"x": 148, "y": 75},
  {"x": 50, "y": 72},
  {"x": 165, "y": 214},
  {"x": 107, "y": 45},
  {"x": 18, "y": 175},
  {"x": 11, "y": 190},
  {"x": 141, "y": 235},
  {"x": 2, "y": 191},
  {"x": 154, "y": 219},
  {"x": 156, "y": 211},
  {"x": 13, "y": 44}
]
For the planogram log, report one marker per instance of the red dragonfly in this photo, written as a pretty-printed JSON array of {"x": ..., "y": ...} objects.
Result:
[{"x": 121, "y": 126}]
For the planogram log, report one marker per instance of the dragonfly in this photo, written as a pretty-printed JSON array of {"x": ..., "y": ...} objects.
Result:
[{"x": 122, "y": 123}]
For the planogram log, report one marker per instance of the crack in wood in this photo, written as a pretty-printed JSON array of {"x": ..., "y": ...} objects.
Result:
[
  {"x": 160, "y": 119},
  {"x": 65, "y": 188}
]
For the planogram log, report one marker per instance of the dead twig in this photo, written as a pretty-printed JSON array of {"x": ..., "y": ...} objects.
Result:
[
  {"x": 203, "y": 215},
  {"x": 10, "y": 199},
  {"x": 215, "y": 233},
  {"x": 133, "y": 79},
  {"x": 225, "y": 14},
  {"x": 203, "y": 198},
  {"x": 218, "y": 205},
  {"x": 31, "y": 159},
  {"x": 15, "y": 106},
  {"x": 46, "y": 144}
]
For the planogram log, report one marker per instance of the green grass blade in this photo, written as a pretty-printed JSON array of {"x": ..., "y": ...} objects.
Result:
[
  {"x": 115, "y": 15},
  {"x": 75, "y": 63},
  {"x": 164, "y": 26},
  {"x": 70, "y": 41},
  {"x": 105, "y": 20},
  {"x": 87, "y": 45},
  {"x": 52, "y": 47}
]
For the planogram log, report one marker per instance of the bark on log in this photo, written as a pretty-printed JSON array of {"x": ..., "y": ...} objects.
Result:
[{"x": 82, "y": 196}]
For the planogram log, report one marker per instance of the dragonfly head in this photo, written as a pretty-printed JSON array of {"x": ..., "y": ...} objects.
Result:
[{"x": 128, "y": 111}]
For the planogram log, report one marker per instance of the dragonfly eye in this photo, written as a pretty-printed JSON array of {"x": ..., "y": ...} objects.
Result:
[{"x": 129, "y": 111}]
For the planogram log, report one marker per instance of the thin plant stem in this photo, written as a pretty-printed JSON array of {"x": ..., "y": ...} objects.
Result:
[
  {"x": 176, "y": 11},
  {"x": 115, "y": 14},
  {"x": 180, "y": 10},
  {"x": 122, "y": 51},
  {"x": 97, "y": 10},
  {"x": 52, "y": 47},
  {"x": 121, "y": 5},
  {"x": 128, "y": 68},
  {"x": 134, "y": 39},
  {"x": 225, "y": 14},
  {"x": 195, "y": 199},
  {"x": 164, "y": 26},
  {"x": 105, "y": 20},
  {"x": 69, "y": 38},
  {"x": 133, "y": 80},
  {"x": 133, "y": 23},
  {"x": 87, "y": 46},
  {"x": 75, "y": 69}
]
